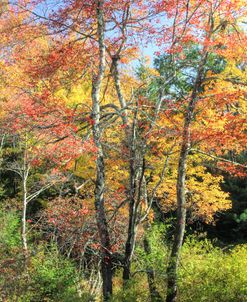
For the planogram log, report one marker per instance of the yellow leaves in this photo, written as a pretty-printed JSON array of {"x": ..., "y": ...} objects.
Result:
[
  {"x": 203, "y": 190},
  {"x": 77, "y": 94},
  {"x": 116, "y": 173},
  {"x": 222, "y": 110},
  {"x": 205, "y": 196},
  {"x": 232, "y": 70},
  {"x": 84, "y": 167}
]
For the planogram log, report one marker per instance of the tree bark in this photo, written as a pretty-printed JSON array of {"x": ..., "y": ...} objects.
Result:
[
  {"x": 154, "y": 294},
  {"x": 172, "y": 269},
  {"x": 23, "y": 220},
  {"x": 136, "y": 174},
  {"x": 130, "y": 242},
  {"x": 24, "y": 175},
  {"x": 106, "y": 261},
  {"x": 181, "y": 220},
  {"x": 121, "y": 98},
  {"x": 130, "y": 137}
]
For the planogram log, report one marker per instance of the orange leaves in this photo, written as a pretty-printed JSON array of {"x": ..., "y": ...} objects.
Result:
[
  {"x": 220, "y": 123},
  {"x": 233, "y": 169},
  {"x": 47, "y": 86},
  {"x": 190, "y": 23}
]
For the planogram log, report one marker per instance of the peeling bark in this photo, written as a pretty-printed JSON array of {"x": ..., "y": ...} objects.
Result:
[
  {"x": 106, "y": 262},
  {"x": 172, "y": 269},
  {"x": 23, "y": 220}
]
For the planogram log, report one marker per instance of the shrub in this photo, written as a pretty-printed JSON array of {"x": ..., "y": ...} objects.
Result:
[
  {"x": 207, "y": 273},
  {"x": 10, "y": 231},
  {"x": 53, "y": 278},
  {"x": 210, "y": 274}
]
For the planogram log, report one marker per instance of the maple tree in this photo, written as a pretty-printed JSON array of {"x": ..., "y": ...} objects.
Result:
[
  {"x": 208, "y": 22},
  {"x": 39, "y": 137},
  {"x": 123, "y": 145}
]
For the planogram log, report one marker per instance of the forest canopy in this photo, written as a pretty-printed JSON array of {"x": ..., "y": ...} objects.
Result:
[{"x": 123, "y": 160}]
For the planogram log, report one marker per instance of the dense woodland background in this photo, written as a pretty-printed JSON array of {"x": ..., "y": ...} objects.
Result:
[{"x": 123, "y": 175}]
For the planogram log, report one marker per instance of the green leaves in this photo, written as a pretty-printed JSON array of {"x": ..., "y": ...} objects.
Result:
[
  {"x": 242, "y": 217},
  {"x": 53, "y": 276},
  {"x": 9, "y": 235}
]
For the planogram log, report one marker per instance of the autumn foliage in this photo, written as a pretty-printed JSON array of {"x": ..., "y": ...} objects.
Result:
[{"x": 101, "y": 147}]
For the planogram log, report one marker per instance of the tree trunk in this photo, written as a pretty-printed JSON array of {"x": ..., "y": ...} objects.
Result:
[
  {"x": 134, "y": 155},
  {"x": 181, "y": 220},
  {"x": 172, "y": 269},
  {"x": 154, "y": 294},
  {"x": 23, "y": 220},
  {"x": 131, "y": 237},
  {"x": 130, "y": 137},
  {"x": 25, "y": 174},
  {"x": 121, "y": 98},
  {"x": 106, "y": 262},
  {"x": 130, "y": 242}
]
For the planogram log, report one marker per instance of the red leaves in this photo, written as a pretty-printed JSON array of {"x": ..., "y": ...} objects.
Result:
[
  {"x": 43, "y": 125},
  {"x": 234, "y": 170},
  {"x": 73, "y": 222},
  {"x": 90, "y": 120},
  {"x": 123, "y": 126}
]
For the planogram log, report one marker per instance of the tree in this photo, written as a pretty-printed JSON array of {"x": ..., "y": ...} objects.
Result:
[
  {"x": 38, "y": 126},
  {"x": 154, "y": 136},
  {"x": 211, "y": 27}
]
